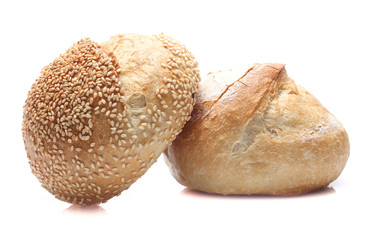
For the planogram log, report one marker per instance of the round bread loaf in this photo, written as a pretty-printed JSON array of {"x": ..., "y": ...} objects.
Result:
[
  {"x": 253, "y": 131},
  {"x": 100, "y": 115}
]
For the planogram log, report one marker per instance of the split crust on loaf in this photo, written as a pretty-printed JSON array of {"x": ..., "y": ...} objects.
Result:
[{"x": 253, "y": 131}]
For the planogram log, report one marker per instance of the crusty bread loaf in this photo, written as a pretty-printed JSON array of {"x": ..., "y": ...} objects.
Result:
[
  {"x": 100, "y": 115},
  {"x": 253, "y": 131}
]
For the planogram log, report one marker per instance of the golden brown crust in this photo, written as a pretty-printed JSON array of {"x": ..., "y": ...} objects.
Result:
[
  {"x": 261, "y": 134},
  {"x": 100, "y": 115}
]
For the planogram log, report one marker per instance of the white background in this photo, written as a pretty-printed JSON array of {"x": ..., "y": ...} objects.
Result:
[{"x": 326, "y": 46}]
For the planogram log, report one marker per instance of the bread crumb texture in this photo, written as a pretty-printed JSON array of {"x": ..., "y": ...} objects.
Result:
[{"x": 100, "y": 115}]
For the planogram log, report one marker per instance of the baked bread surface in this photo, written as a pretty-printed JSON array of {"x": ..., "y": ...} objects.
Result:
[
  {"x": 253, "y": 131},
  {"x": 100, "y": 115}
]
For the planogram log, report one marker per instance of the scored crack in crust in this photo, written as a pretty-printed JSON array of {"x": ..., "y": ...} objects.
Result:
[
  {"x": 100, "y": 115},
  {"x": 253, "y": 131}
]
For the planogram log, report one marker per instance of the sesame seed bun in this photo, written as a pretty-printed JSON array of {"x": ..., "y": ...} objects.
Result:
[
  {"x": 254, "y": 131},
  {"x": 100, "y": 115}
]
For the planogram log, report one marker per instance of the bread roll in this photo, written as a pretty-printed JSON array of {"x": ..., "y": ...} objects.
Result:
[
  {"x": 100, "y": 115},
  {"x": 253, "y": 131}
]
